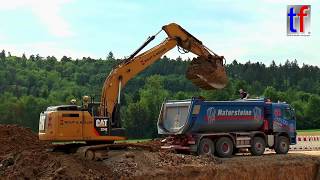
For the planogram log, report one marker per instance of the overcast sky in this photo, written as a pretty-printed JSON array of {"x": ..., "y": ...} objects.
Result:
[{"x": 242, "y": 30}]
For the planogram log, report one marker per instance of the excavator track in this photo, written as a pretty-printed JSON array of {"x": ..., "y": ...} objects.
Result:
[{"x": 100, "y": 152}]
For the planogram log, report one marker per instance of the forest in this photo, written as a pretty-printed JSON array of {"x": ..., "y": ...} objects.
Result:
[{"x": 30, "y": 84}]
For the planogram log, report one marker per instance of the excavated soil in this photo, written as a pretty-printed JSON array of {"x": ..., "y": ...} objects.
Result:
[
  {"x": 207, "y": 73},
  {"x": 23, "y": 156}
]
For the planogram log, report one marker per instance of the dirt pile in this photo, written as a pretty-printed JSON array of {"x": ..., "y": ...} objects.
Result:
[
  {"x": 134, "y": 163},
  {"x": 23, "y": 156},
  {"x": 154, "y": 145},
  {"x": 14, "y": 139},
  {"x": 268, "y": 167}
]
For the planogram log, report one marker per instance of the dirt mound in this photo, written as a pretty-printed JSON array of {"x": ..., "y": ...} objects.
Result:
[
  {"x": 268, "y": 167},
  {"x": 23, "y": 156},
  {"x": 14, "y": 139},
  {"x": 207, "y": 73},
  {"x": 135, "y": 163},
  {"x": 154, "y": 145},
  {"x": 37, "y": 164}
]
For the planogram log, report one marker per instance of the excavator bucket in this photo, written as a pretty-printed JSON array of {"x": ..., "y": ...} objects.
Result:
[{"x": 207, "y": 73}]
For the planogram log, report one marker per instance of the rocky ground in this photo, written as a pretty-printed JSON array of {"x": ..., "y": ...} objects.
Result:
[{"x": 23, "y": 155}]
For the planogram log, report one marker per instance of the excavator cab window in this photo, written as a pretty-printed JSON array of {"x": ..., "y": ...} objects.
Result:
[{"x": 93, "y": 108}]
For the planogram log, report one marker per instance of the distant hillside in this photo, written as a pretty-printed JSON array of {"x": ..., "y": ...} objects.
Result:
[{"x": 29, "y": 85}]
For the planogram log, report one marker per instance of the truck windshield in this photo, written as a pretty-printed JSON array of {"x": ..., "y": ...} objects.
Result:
[
  {"x": 293, "y": 115},
  {"x": 288, "y": 113}
]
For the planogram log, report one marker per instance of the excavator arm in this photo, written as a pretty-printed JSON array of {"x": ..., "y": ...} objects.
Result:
[{"x": 202, "y": 70}]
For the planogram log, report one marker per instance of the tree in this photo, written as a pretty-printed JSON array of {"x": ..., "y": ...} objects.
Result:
[
  {"x": 2, "y": 55},
  {"x": 181, "y": 95},
  {"x": 32, "y": 58},
  {"x": 28, "y": 86},
  {"x": 301, "y": 120},
  {"x": 313, "y": 111},
  {"x": 271, "y": 93},
  {"x": 110, "y": 56},
  {"x": 65, "y": 59},
  {"x": 38, "y": 57},
  {"x": 152, "y": 96},
  {"x": 24, "y": 57},
  {"x": 136, "y": 121}
]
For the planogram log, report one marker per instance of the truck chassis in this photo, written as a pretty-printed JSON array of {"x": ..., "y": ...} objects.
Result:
[{"x": 227, "y": 144}]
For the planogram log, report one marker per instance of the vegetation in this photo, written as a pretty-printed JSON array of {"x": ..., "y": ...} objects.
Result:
[
  {"x": 29, "y": 85},
  {"x": 309, "y": 132}
]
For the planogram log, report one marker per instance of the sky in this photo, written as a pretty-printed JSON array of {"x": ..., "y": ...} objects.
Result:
[{"x": 241, "y": 30}]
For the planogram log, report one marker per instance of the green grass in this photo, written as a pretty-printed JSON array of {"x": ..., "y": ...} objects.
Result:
[
  {"x": 309, "y": 132},
  {"x": 122, "y": 141},
  {"x": 135, "y": 140},
  {"x": 68, "y": 142}
]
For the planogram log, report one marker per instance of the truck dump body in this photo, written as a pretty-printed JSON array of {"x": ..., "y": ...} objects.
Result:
[{"x": 195, "y": 116}]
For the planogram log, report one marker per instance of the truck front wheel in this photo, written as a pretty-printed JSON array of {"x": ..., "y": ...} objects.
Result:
[
  {"x": 258, "y": 146},
  {"x": 224, "y": 147},
  {"x": 206, "y": 147},
  {"x": 282, "y": 145}
]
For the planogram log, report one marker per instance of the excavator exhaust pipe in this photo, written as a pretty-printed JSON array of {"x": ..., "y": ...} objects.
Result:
[{"x": 207, "y": 73}]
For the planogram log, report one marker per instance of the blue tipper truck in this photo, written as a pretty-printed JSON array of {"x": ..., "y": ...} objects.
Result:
[{"x": 224, "y": 127}]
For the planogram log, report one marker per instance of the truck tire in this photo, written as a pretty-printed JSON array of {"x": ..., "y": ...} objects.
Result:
[
  {"x": 206, "y": 147},
  {"x": 258, "y": 146},
  {"x": 282, "y": 145},
  {"x": 224, "y": 147}
]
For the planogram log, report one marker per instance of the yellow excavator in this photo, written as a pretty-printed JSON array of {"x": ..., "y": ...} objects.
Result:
[{"x": 99, "y": 122}]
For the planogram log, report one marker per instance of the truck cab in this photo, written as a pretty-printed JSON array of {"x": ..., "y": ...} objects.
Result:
[{"x": 283, "y": 120}]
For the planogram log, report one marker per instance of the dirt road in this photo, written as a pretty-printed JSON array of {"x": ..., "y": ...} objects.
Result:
[
  {"x": 314, "y": 153},
  {"x": 22, "y": 155}
]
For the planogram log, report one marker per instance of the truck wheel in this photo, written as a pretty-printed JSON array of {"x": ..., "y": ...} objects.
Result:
[
  {"x": 282, "y": 145},
  {"x": 224, "y": 147},
  {"x": 206, "y": 147},
  {"x": 258, "y": 146}
]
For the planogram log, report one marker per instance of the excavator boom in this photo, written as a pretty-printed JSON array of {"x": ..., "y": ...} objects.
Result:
[{"x": 206, "y": 71}]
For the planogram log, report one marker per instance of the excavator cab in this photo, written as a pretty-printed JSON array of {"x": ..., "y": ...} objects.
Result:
[{"x": 78, "y": 123}]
